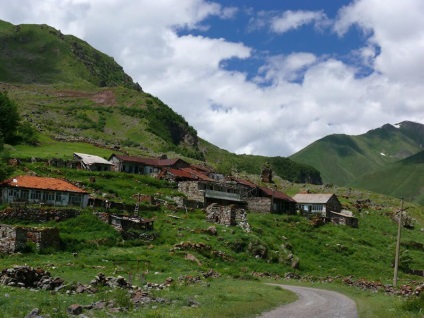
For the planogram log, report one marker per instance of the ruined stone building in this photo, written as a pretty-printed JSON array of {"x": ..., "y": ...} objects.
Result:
[{"x": 15, "y": 238}]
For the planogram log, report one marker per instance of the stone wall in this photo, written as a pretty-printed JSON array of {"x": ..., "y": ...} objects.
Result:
[
  {"x": 220, "y": 214},
  {"x": 262, "y": 205},
  {"x": 191, "y": 190},
  {"x": 38, "y": 215},
  {"x": 15, "y": 238},
  {"x": 44, "y": 237},
  {"x": 11, "y": 238},
  {"x": 229, "y": 215}
]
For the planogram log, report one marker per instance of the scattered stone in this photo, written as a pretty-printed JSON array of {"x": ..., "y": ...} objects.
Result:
[
  {"x": 193, "y": 258},
  {"x": 74, "y": 309},
  {"x": 212, "y": 230},
  {"x": 35, "y": 313}
]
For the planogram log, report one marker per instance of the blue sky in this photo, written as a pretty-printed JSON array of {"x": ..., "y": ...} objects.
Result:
[{"x": 262, "y": 77}]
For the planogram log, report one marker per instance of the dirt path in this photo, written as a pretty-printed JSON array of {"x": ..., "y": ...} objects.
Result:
[{"x": 317, "y": 303}]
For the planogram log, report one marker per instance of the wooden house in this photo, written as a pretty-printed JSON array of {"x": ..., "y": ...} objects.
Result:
[
  {"x": 141, "y": 165},
  {"x": 51, "y": 191},
  {"x": 91, "y": 162},
  {"x": 267, "y": 200},
  {"x": 320, "y": 204}
]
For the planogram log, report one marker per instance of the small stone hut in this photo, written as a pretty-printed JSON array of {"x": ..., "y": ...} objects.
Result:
[{"x": 15, "y": 238}]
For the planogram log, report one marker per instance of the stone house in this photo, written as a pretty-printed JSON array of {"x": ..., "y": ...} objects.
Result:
[
  {"x": 265, "y": 200},
  {"x": 141, "y": 165},
  {"x": 205, "y": 192},
  {"x": 344, "y": 218},
  {"x": 320, "y": 204},
  {"x": 91, "y": 162},
  {"x": 225, "y": 214},
  {"x": 50, "y": 191},
  {"x": 15, "y": 238}
]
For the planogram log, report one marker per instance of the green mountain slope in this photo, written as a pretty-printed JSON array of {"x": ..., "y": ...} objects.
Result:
[
  {"x": 342, "y": 158},
  {"x": 42, "y": 54},
  {"x": 401, "y": 179},
  {"x": 72, "y": 92},
  {"x": 285, "y": 168}
]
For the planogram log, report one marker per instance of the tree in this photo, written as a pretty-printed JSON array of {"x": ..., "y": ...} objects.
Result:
[
  {"x": 9, "y": 118},
  {"x": 5, "y": 170}
]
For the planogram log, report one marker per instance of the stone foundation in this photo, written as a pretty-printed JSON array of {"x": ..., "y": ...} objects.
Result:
[
  {"x": 262, "y": 205},
  {"x": 38, "y": 215}
]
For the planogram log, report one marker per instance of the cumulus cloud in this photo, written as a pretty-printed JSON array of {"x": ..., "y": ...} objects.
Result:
[
  {"x": 295, "y": 19},
  {"x": 290, "y": 101}
]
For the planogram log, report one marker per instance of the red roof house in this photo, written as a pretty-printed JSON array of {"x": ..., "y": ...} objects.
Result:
[{"x": 42, "y": 190}]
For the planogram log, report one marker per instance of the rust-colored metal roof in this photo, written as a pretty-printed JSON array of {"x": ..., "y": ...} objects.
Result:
[
  {"x": 197, "y": 174},
  {"x": 41, "y": 183},
  {"x": 277, "y": 194},
  {"x": 244, "y": 182},
  {"x": 156, "y": 162},
  {"x": 189, "y": 173}
]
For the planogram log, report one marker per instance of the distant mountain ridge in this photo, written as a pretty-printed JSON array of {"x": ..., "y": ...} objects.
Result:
[{"x": 366, "y": 160}]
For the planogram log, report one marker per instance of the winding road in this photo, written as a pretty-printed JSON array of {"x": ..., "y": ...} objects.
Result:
[{"x": 314, "y": 302}]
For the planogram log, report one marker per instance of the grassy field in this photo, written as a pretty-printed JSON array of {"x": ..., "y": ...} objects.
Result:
[{"x": 327, "y": 251}]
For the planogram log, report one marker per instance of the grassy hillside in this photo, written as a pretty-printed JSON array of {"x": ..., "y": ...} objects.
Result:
[
  {"x": 327, "y": 253},
  {"x": 342, "y": 158},
  {"x": 72, "y": 92},
  {"x": 284, "y": 168},
  {"x": 402, "y": 179},
  {"x": 42, "y": 54}
]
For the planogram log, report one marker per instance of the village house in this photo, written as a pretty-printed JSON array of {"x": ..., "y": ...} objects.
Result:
[
  {"x": 320, "y": 204},
  {"x": 51, "y": 191},
  {"x": 266, "y": 200},
  {"x": 141, "y": 165},
  {"x": 213, "y": 192},
  {"x": 91, "y": 162}
]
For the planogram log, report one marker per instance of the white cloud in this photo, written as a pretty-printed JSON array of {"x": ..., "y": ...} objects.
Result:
[
  {"x": 397, "y": 29},
  {"x": 295, "y": 19},
  {"x": 293, "y": 100}
]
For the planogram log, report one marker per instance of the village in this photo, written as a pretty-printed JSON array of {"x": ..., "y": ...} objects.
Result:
[{"x": 226, "y": 200}]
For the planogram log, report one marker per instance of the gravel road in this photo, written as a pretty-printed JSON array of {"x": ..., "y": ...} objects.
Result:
[{"x": 313, "y": 302}]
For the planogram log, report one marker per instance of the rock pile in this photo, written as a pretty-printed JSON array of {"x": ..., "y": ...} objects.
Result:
[
  {"x": 28, "y": 277},
  {"x": 404, "y": 290}
]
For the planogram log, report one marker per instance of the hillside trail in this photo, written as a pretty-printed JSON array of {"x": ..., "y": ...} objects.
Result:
[{"x": 314, "y": 302}]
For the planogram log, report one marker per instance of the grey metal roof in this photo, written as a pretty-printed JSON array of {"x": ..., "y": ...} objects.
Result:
[
  {"x": 91, "y": 159},
  {"x": 312, "y": 197}
]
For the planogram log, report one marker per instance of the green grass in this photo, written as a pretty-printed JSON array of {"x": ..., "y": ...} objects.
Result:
[
  {"x": 329, "y": 250},
  {"x": 50, "y": 148}
]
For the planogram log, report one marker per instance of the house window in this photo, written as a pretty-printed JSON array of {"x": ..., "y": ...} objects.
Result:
[
  {"x": 36, "y": 195},
  {"x": 74, "y": 199},
  {"x": 24, "y": 194},
  {"x": 317, "y": 208},
  {"x": 60, "y": 196}
]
